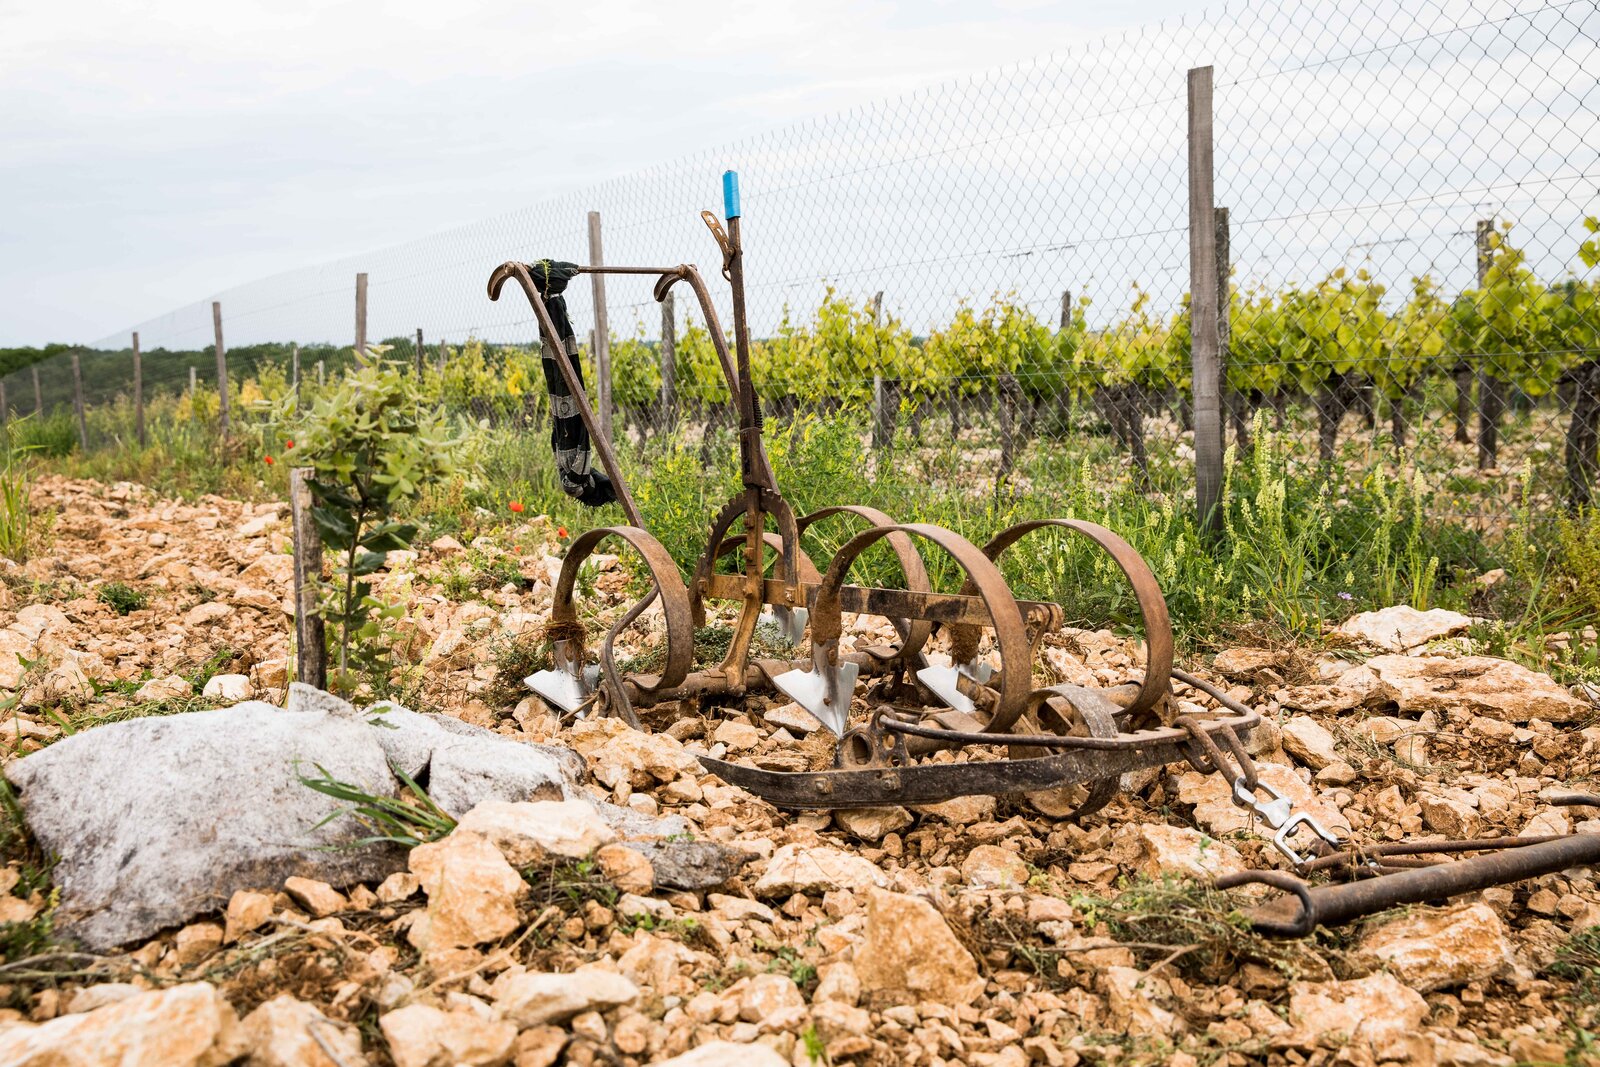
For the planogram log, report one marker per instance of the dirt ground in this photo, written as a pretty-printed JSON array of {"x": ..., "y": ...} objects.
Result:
[{"x": 978, "y": 931}]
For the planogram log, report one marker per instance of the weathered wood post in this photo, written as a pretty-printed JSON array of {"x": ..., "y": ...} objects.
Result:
[
  {"x": 38, "y": 394},
  {"x": 1205, "y": 350},
  {"x": 77, "y": 403},
  {"x": 311, "y": 649},
  {"x": 361, "y": 318},
  {"x": 1491, "y": 390},
  {"x": 1064, "y": 397},
  {"x": 602, "y": 330},
  {"x": 138, "y": 391},
  {"x": 222, "y": 371},
  {"x": 419, "y": 351},
  {"x": 294, "y": 373},
  {"x": 669, "y": 364},
  {"x": 1235, "y": 402},
  {"x": 194, "y": 384}
]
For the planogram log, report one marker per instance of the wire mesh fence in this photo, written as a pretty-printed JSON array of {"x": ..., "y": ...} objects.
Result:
[{"x": 1000, "y": 267}]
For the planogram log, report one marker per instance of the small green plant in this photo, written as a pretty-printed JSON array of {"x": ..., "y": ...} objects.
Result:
[
  {"x": 372, "y": 445},
  {"x": 410, "y": 819},
  {"x": 816, "y": 1048},
  {"x": 1578, "y": 961},
  {"x": 16, "y": 499},
  {"x": 121, "y": 597}
]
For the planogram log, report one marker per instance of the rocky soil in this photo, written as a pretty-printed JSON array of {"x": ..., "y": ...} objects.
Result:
[{"x": 972, "y": 932}]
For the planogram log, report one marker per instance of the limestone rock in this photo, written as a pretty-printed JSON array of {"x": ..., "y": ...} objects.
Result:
[
  {"x": 1133, "y": 997},
  {"x": 796, "y": 868},
  {"x": 738, "y": 736},
  {"x": 228, "y": 780},
  {"x": 318, "y": 898},
  {"x": 536, "y": 830},
  {"x": 228, "y": 688},
  {"x": 1440, "y": 948},
  {"x": 279, "y": 1034},
  {"x": 962, "y": 811},
  {"x": 171, "y": 687},
  {"x": 794, "y": 718},
  {"x": 247, "y": 910},
  {"x": 909, "y": 952},
  {"x": 534, "y": 999},
  {"x": 871, "y": 824},
  {"x": 465, "y": 765},
  {"x": 774, "y": 1001},
  {"x": 1496, "y": 688},
  {"x": 1243, "y": 664},
  {"x": 1401, "y": 628},
  {"x": 98, "y": 996},
  {"x": 627, "y": 869},
  {"x": 1451, "y": 812},
  {"x": 181, "y": 1026},
  {"x": 992, "y": 866},
  {"x": 617, "y": 754},
  {"x": 1308, "y": 741},
  {"x": 1157, "y": 849},
  {"x": 423, "y": 1036},
  {"x": 195, "y": 942},
  {"x": 472, "y": 890},
  {"x": 726, "y": 1054},
  {"x": 692, "y": 865},
  {"x": 1378, "y": 1011}
]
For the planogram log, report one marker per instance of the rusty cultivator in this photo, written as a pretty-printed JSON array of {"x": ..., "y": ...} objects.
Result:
[{"x": 908, "y": 730}]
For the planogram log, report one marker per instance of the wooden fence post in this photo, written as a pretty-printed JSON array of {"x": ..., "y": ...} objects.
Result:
[
  {"x": 38, "y": 394},
  {"x": 419, "y": 351},
  {"x": 311, "y": 649},
  {"x": 294, "y": 373},
  {"x": 1491, "y": 391},
  {"x": 77, "y": 403},
  {"x": 669, "y": 363},
  {"x": 361, "y": 318},
  {"x": 1064, "y": 397},
  {"x": 602, "y": 331},
  {"x": 138, "y": 390},
  {"x": 444, "y": 354},
  {"x": 1234, "y": 402},
  {"x": 194, "y": 384},
  {"x": 322, "y": 373},
  {"x": 1205, "y": 349},
  {"x": 222, "y": 371}
]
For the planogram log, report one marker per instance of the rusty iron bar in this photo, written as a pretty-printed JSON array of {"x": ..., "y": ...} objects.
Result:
[{"x": 1308, "y": 907}]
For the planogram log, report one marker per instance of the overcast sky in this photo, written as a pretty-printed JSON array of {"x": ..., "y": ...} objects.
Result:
[{"x": 157, "y": 153}]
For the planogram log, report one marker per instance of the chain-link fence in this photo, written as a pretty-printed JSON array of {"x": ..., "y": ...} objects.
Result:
[{"x": 1001, "y": 265}]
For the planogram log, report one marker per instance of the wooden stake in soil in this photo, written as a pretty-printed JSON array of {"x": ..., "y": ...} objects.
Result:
[
  {"x": 419, "y": 351},
  {"x": 1491, "y": 391},
  {"x": 602, "y": 331},
  {"x": 1205, "y": 341},
  {"x": 669, "y": 363},
  {"x": 38, "y": 394},
  {"x": 294, "y": 373},
  {"x": 138, "y": 391},
  {"x": 77, "y": 403},
  {"x": 222, "y": 371},
  {"x": 194, "y": 383},
  {"x": 361, "y": 318},
  {"x": 311, "y": 649}
]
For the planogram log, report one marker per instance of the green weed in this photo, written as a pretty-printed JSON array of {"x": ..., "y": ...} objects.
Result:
[{"x": 121, "y": 597}]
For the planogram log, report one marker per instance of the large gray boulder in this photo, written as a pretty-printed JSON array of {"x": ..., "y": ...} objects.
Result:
[{"x": 157, "y": 820}]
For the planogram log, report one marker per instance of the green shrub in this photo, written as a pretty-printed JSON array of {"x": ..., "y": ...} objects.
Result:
[{"x": 121, "y": 597}]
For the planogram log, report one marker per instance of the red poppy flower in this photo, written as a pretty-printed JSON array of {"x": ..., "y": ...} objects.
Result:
[
  {"x": 268, "y": 459},
  {"x": 288, "y": 444},
  {"x": 561, "y": 532},
  {"x": 516, "y": 507}
]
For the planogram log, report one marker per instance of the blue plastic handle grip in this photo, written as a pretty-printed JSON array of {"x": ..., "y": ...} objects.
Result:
[{"x": 730, "y": 194}]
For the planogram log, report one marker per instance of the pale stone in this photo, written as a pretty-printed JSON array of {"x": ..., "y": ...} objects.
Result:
[
  {"x": 534, "y": 999},
  {"x": 1246, "y": 663},
  {"x": 774, "y": 1001},
  {"x": 534, "y": 831},
  {"x": 1378, "y": 1011},
  {"x": 1440, "y": 948},
  {"x": 726, "y": 1054},
  {"x": 796, "y": 868},
  {"x": 962, "y": 811},
  {"x": 183, "y": 1026},
  {"x": 738, "y": 736},
  {"x": 838, "y": 981},
  {"x": 653, "y": 961},
  {"x": 472, "y": 890},
  {"x": 1309, "y": 741},
  {"x": 319, "y": 899},
  {"x": 871, "y": 824},
  {"x": 98, "y": 996},
  {"x": 1448, "y": 1052},
  {"x": 738, "y": 908},
  {"x": 1158, "y": 849},
  {"x": 1132, "y": 996},
  {"x": 1401, "y": 628},
  {"x": 794, "y": 718},
  {"x": 1451, "y": 812},
  {"x": 909, "y": 951},
  {"x": 14, "y": 648},
  {"x": 446, "y": 545},
  {"x": 280, "y": 1034},
  {"x": 209, "y": 612},
  {"x": 195, "y": 942},
  {"x": 397, "y": 887},
  {"x": 627, "y": 869},
  {"x": 170, "y": 687},
  {"x": 423, "y": 1036},
  {"x": 1495, "y": 688},
  {"x": 993, "y": 866},
  {"x": 617, "y": 754}
]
